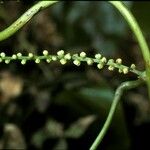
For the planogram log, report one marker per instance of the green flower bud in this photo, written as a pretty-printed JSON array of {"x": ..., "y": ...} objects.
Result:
[
  {"x": 67, "y": 56},
  {"x": 48, "y": 60},
  {"x": 119, "y": 61},
  {"x": 125, "y": 70},
  {"x": 89, "y": 61},
  {"x": 30, "y": 55},
  {"x": 110, "y": 61},
  {"x": 23, "y": 62},
  {"x": 1, "y": 60},
  {"x": 37, "y": 60},
  {"x": 77, "y": 62},
  {"x": 111, "y": 68},
  {"x": 54, "y": 58},
  {"x": 7, "y": 61},
  {"x": 2, "y": 54},
  {"x": 45, "y": 52},
  {"x": 104, "y": 60},
  {"x": 19, "y": 54},
  {"x": 133, "y": 66},
  {"x": 83, "y": 54},
  {"x": 63, "y": 61},
  {"x": 100, "y": 66},
  {"x": 98, "y": 56},
  {"x": 14, "y": 56},
  {"x": 60, "y": 53},
  {"x": 120, "y": 70}
]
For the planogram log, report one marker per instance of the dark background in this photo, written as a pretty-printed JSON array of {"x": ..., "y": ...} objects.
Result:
[{"x": 50, "y": 106}]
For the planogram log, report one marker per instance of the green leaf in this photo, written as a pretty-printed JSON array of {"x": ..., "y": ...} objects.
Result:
[{"x": 78, "y": 128}]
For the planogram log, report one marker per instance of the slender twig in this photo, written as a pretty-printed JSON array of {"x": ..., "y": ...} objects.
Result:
[
  {"x": 126, "y": 13},
  {"x": 19, "y": 23},
  {"x": 124, "y": 86}
]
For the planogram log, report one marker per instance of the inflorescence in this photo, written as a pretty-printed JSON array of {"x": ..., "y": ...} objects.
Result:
[{"x": 100, "y": 60}]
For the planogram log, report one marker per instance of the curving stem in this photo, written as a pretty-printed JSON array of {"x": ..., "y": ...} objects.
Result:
[
  {"x": 19, "y": 23},
  {"x": 124, "y": 86},
  {"x": 126, "y": 13}
]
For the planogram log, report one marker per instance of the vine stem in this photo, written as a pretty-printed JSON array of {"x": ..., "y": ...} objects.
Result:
[
  {"x": 124, "y": 86},
  {"x": 126, "y": 13},
  {"x": 19, "y": 23}
]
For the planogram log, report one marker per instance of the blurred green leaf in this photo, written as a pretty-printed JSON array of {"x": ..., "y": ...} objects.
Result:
[
  {"x": 78, "y": 128},
  {"x": 52, "y": 129},
  {"x": 61, "y": 145},
  {"x": 104, "y": 94}
]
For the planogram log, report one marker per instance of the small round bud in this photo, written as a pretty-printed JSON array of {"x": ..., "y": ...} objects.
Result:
[
  {"x": 7, "y": 61},
  {"x": 120, "y": 70},
  {"x": 119, "y": 61},
  {"x": 1, "y": 60},
  {"x": 77, "y": 62},
  {"x": 67, "y": 56},
  {"x": 23, "y": 62},
  {"x": 48, "y": 60},
  {"x": 60, "y": 53},
  {"x": 19, "y": 54},
  {"x": 110, "y": 61},
  {"x": 54, "y": 58},
  {"x": 125, "y": 70},
  {"x": 63, "y": 61},
  {"x": 45, "y": 52},
  {"x": 98, "y": 56},
  {"x": 30, "y": 55},
  {"x": 82, "y": 54},
  {"x": 37, "y": 60},
  {"x": 104, "y": 60},
  {"x": 2, "y": 54},
  {"x": 111, "y": 68},
  {"x": 100, "y": 66},
  {"x": 89, "y": 61},
  {"x": 14, "y": 56},
  {"x": 133, "y": 66}
]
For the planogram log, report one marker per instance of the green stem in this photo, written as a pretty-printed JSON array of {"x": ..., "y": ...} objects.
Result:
[
  {"x": 138, "y": 34},
  {"x": 25, "y": 58},
  {"x": 124, "y": 86},
  {"x": 19, "y": 23}
]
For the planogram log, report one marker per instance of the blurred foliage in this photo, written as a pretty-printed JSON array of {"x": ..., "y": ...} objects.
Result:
[
  {"x": 102, "y": 27},
  {"x": 64, "y": 107}
]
